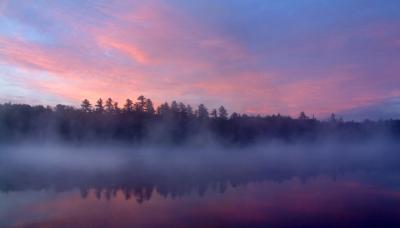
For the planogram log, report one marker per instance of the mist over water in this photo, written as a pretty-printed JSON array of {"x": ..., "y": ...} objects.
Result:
[
  {"x": 124, "y": 179},
  {"x": 111, "y": 157}
]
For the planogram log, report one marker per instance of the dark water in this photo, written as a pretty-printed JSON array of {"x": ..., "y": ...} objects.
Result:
[{"x": 153, "y": 189}]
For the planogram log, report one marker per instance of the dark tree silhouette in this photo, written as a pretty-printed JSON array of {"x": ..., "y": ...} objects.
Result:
[
  {"x": 109, "y": 105},
  {"x": 140, "y": 105},
  {"x": 214, "y": 114},
  {"x": 189, "y": 111},
  {"x": 303, "y": 116},
  {"x": 175, "y": 124},
  {"x": 163, "y": 109},
  {"x": 116, "y": 107},
  {"x": 86, "y": 106},
  {"x": 235, "y": 116},
  {"x": 202, "y": 112},
  {"x": 174, "y": 107},
  {"x": 182, "y": 108},
  {"x": 99, "y": 106},
  {"x": 149, "y": 107},
  {"x": 222, "y": 113},
  {"x": 128, "y": 107}
]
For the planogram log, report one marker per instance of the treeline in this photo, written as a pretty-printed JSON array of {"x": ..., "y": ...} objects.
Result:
[{"x": 175, "y": 123}]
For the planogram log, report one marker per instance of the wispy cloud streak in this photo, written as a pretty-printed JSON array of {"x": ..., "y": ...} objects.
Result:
[{"x": 256, "y": 57}]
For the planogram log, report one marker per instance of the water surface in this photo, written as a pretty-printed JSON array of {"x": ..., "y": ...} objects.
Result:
[{"x": 180, "y": 189}]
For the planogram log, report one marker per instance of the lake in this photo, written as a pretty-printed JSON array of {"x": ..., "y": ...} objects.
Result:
[{"x": 277, "y": 186}]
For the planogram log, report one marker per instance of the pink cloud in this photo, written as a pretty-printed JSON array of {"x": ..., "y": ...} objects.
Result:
[
  {"x": 134, "y": 52},
  {"x": 162, "y": 52}
]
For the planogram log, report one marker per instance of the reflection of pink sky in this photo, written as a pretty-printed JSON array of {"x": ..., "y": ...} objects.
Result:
[{"x": 319, "y": 200}]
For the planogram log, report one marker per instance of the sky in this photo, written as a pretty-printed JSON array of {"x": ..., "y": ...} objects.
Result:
[{"x": 252, "y": 56}]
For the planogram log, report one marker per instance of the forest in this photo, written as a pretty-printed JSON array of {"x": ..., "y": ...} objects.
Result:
[{"x": 139, "y": 122}]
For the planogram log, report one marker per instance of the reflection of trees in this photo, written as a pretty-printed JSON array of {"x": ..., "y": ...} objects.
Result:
[
  {"x": 141, "y": 183},
  {"x": 144, "y": 193}
]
